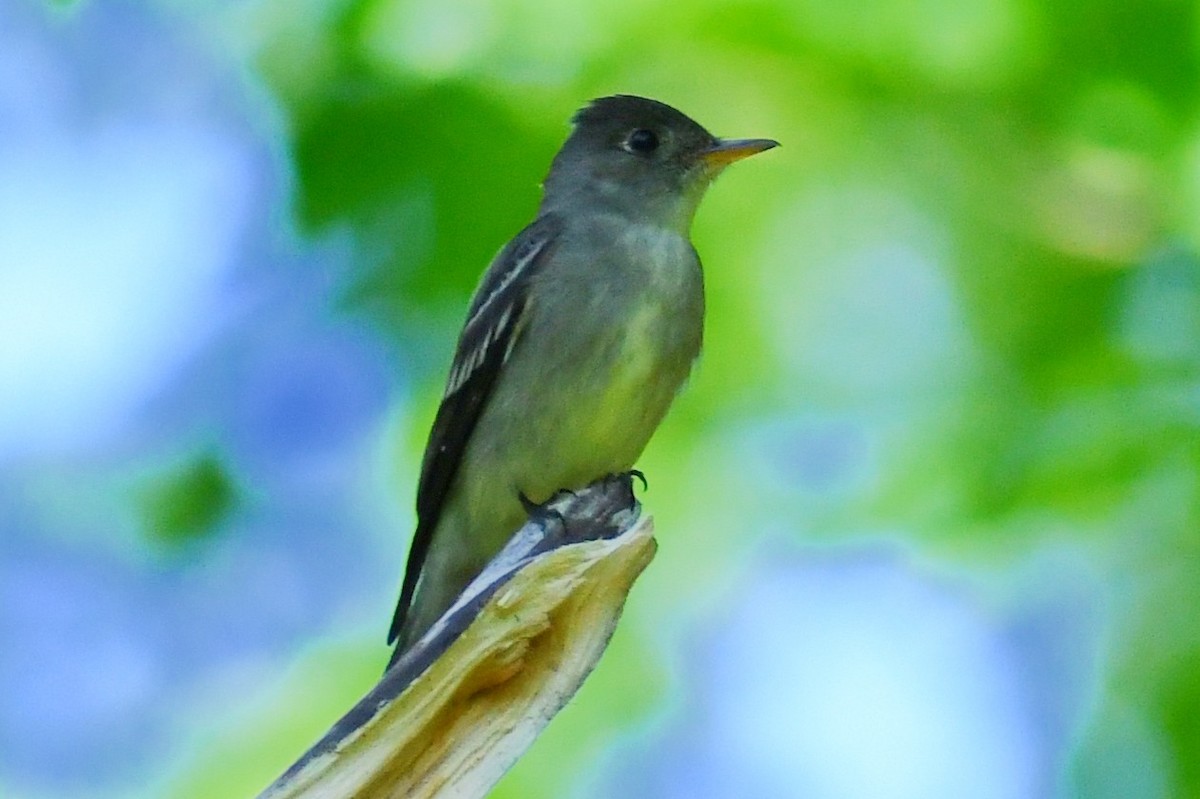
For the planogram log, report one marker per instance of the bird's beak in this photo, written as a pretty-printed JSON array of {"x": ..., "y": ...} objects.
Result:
[{"x": 726, "y": 151}]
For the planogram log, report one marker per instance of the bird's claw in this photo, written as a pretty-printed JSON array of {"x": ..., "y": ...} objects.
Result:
[
  {"x": 528, "y": 504},
  {"x": 628, "y": 477},
  {"x": 544, "y": 510}
]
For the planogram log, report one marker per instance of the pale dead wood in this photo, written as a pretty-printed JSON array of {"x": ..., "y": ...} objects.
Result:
[{"x": 459, "y": 708}]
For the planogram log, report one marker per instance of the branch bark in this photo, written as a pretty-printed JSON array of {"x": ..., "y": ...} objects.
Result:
[{"x": 458, "y": 709}]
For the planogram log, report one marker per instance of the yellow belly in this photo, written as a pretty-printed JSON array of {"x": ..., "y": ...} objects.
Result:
[{"x": 641, "y": 386}]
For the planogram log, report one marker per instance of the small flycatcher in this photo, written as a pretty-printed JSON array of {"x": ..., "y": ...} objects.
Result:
[{"x": 579, "y": 335}]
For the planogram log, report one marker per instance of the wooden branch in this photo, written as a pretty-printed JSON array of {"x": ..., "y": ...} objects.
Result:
[{"x": 452, "y": 715}]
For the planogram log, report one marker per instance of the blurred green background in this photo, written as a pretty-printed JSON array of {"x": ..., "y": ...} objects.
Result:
[{"x": 928, "y": 512}]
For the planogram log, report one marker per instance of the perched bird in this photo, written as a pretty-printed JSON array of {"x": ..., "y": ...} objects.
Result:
[{"x": 581, "y": 332}]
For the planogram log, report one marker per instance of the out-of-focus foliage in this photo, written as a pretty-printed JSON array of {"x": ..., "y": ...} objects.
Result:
[
  {"x": 929, "y": 510},
  {"x": 188, "y": 502}
]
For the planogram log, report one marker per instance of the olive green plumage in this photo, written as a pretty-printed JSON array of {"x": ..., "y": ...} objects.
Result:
[{"x": 580, "y": 334}]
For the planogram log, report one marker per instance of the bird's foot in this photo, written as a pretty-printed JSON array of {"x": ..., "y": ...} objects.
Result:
[
  {"x": 627, "y": 477},
  {"x": 620, "y": 485},
  {"x": 544, "y": 510}
]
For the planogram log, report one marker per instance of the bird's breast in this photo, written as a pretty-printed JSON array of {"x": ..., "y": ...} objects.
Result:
[
  {"x": 611, "y": 338},
  {"x": 655, "y": 341}
]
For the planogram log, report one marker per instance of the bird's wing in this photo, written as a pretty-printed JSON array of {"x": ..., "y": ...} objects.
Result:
[{"x": 493, "y": 328}]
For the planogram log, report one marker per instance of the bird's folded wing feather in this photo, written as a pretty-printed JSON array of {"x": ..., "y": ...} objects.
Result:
[{"x": 493, "y": 328}]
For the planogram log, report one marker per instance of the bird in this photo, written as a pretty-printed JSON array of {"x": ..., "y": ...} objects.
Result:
[{"x": 579, "y": 335}]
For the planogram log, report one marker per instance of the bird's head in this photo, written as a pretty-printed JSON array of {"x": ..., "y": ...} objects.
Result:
[{"x": 642, "y": 158}]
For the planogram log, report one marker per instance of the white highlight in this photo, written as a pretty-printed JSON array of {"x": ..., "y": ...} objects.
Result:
[{"x": 112, "y": 250}]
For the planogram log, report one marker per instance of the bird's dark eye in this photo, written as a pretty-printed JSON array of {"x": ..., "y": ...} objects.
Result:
[{"x": 642, "y": 141}]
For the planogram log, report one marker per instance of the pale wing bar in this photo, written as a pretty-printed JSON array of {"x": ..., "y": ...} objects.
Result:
[{"x": 492, "y": 330}]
